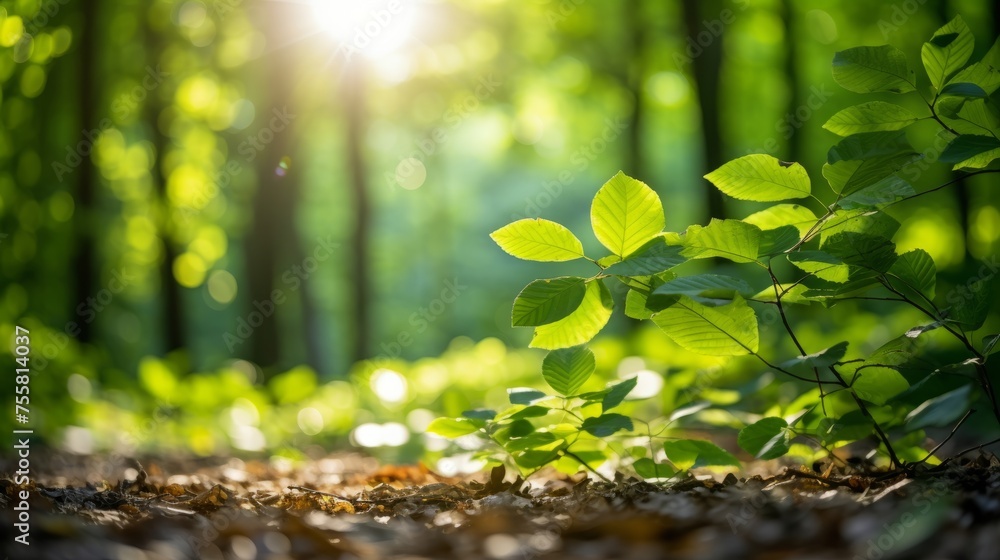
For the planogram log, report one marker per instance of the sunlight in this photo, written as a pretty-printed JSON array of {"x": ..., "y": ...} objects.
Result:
[{"x": 371, "y": 28}]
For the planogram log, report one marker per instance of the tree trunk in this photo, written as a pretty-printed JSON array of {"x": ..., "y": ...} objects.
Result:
[
  {"x": 359, "y": 280},
  {"x": 793, "y": 80},
  {"x": 86, "y": 176},
  {"x": 705, "y": 69}
]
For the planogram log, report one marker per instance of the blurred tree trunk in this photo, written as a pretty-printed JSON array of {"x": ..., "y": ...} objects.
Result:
[
  {"x": 634, "y": 76},
  {"x": 962, "y": 199},
  {"x": 705, "y": 69},
  {"x": 793, "y": 81},
  {"x": 275, "y": 256},
  {"x": 354, "y": 113},
  {"x": 172, "y": 306},
  {"x": 86, "y": 175}
]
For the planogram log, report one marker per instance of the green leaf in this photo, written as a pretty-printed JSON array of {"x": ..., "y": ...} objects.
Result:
[
  {"x": 761, "y": 178},
  {"x": 687, "y": 454},
  {"x": 617, "y": 393},
  {"x": 538, "y": 240},
  {"x": 862, "y": 220},
  {"x": 847, "y": 177},
  {"x": 729, "y": 239},
  {"x": 652, "y": 258},
  {"x": 948, "y": 50},
  {"x": 480, "y": 414},
  {"x": 783, "y": 215},
  {"x": 454, "y": 427},
  {"x": 971, "y": 304},
  {"x": 579, "y": 326},
  {"x": 860, "y": 249},
  {"x": 635, "y": 305},
  {"x": 873, "y": 70},
  {"x": 765, "y": 439},
  {"x": 533, "y": 440},
  {"x": 649, "y": 469},
  {"x": 524, "y": 395},
  {"x": 874, "y": 116},
  {"x": 533, "y": 459},
  {"x": 982, "y": 74},
  {"x": 886, "y": 191},
  {"x": 778, "y": 240},
  {"x": 990, "y": 344},
  {"x": 868, "y": 145},
  {"x": 626, "y": 214},
  {"x": 822, "y": 359},
  {"x": 705, "y": 285},
  {"x": 547, "y": 301},
  {"x": 821, "y": 264},
  {"x": 728, "y": 330},
  {"x": 916, "y": 268},
  {"x": 519, "y": 412},
  {"x": 879, "y": 384},
  {"x": 942, "y": 410},
  {"x": 566, "y": 370},
  {"x": 971, "y": 151},
  {"x": 964, "y": 89},
  {"x": 607, "y": 424}
]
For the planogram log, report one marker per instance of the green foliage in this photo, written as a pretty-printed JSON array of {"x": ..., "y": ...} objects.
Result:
[{"x": 812, "y": 260}]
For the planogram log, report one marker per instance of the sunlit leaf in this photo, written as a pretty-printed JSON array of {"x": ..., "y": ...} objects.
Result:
[
  {"x": 761, "y": 178},
  {"x": 538, "y": 240},
  {"x": 547, "y": 301},
  {"x": 971, "y": 151},
  {"x": 579, "y": 326},
  {"x": 728, "y": 239},
  {"x": 873, "y": 69},
  {"x": 783, "y": 215},
  {"x": 860, "y": 249},
  {"x": 821, "y": 264},
  {"x": 916, "y": 269},
  {"x": 948, "y": 50},
  {"x": 823, "y": 358},
  {"x": 874, "y": 116},
  {"x": 566, "y": 370},
  {"x": 652, "y": 258},
  {"x": 454, "y": 427},
  {"x": 705, "y": 285},
  {"x": 878, "y": 384},
  {"x": 523, "y": 395},
  {"x": 626, "y": 213},
  {"x": 729, "y": 330},
  {"x": 617, "y": 393},
  {"x": 649, "y": 469},
  {"x": 778, "y": 240}
]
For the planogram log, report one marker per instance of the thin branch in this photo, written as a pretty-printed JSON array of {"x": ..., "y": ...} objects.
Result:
[{"x": 947, "y": 439}]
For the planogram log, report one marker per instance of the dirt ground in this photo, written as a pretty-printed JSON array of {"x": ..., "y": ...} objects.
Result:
[{"x": 346, "y": 506}]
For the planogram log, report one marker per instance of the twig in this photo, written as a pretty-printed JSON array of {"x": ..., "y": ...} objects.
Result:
[
  {"x": 330, "y": 494},
  {"x": 953, "y": 430}
]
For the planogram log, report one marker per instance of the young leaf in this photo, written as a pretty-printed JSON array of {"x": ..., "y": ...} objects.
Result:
[
  {"x": 649, "y": 469},
  {"x": 524, "y": 395},
  {"x": 606, "y": 424},
  {"x": 729, "y": 239},
  {"x": 547, "y": 301},
  {"x": 635, "y": 305},
  {"x": 765, "y": 439},
  {"x": 533, "y": 440},
  {"x": 579, "y": 326},
  {"x": 761, "y": 178},
  {"x": 538, "y": 240},
  {"x": 626, "y": 214},
  {"x": 874, "y": 116},
  {"x": 873, "y": 70},
  {"x": 454, "y": 427},
  {"x": 566, "y": 370},
  {"x": 728, "y": 330},
  {"x": 783, "y": 215},
  {"x": 778, "y": 240},
  {"x": 948, "y": 50},
  {"x": 533, "y": 459},
  {"x": 916, "y": 268},
  {"x": 687, "y": 454},
  {"x": 942, "y": 410},
  {"x": 652, "y": 258},
  {"x": 705, "y": 285}
]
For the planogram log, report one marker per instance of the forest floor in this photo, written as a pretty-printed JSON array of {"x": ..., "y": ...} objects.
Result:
[{"x": 345, "y": 506}]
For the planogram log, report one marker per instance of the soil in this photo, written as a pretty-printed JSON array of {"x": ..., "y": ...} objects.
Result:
[{"x": 346, "y": 507}]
